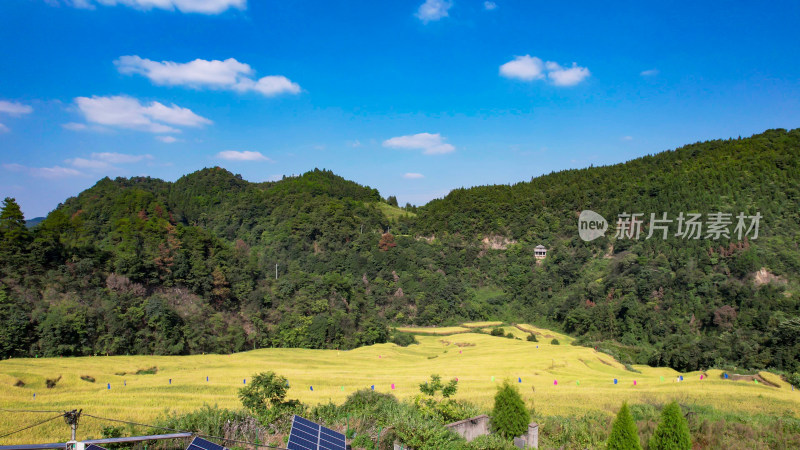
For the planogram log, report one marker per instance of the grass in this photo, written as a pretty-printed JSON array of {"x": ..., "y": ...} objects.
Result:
[
  {"x": 438, "y": 331},
  {"x": 142, "y": 398},
  {"x": 393, "y": 212}
]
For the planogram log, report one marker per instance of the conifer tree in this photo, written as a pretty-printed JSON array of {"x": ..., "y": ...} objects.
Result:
[
  {"x": 672, "y": 432},
  {"x": 509, "y": 417},
  {"x": 624, "y": 435}
]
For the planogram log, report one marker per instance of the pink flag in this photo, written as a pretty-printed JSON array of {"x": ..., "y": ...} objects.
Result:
[
  {"x": 555, "y": 382},
  {"x": 392, "y": 385},
  {"x": 634, "y": 382}
]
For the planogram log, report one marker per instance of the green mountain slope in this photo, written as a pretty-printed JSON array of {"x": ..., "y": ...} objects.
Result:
[{"x": 146, "y": 266}]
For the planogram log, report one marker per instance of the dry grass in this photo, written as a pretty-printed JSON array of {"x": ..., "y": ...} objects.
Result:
[{"x": 537, "y": 364}]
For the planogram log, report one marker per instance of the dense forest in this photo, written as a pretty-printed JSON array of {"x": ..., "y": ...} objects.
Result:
[{"x": 214, "y": 263}]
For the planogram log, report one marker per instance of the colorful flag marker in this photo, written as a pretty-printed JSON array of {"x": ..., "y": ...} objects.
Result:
[
  {"x": 109, "y": 385},
  {"x": 206, "y": 379},
  {"x": 244, "y": 381},
  {"x": 372, "y": 387},
  {"x": 634, "y": 382},
  {"x": 311, "y": 387},
  {"x": 519, "y": 379},
  {"x": 555, "y": 382},
  {"x": 342, "y": 388},
  {"x": 170, "y": 381},
  {"x": 615, "y": 381},
  {"x": 492, "y": 378},
  {"x": 392, "y": 385}
]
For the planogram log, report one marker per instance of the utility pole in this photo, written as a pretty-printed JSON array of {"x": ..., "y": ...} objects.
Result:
[
  {"x": 71, "y": 418},
  {"x": 276, "y": 271}
]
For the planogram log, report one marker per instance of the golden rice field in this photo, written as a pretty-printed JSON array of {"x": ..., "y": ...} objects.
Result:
[{"x": 480, "y": 362}]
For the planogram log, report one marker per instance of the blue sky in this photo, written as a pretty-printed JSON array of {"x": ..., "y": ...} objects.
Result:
[{"x": 411, "y": 97}]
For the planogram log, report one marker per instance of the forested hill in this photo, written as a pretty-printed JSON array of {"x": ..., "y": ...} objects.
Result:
[{"x": 146, "y": 266}]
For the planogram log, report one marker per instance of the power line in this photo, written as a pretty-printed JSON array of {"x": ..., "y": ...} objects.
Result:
[
  {"x": 31, "y": 410},
  {"x": 31, "y": 426},
  {"x": 127, "y": 422}
]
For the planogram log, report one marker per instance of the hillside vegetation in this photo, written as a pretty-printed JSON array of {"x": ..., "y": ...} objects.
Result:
[
  {"x": 145, "y": 266},
  {"x": 575, "y": 412}
]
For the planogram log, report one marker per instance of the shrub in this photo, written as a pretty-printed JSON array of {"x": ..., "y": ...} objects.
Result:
[
  {"x": 510, "y": 335},
  {"x": 510, "y": 418},
  {"x": 672, "y": 432},
  {"x": 150, "y": 371},
  {"x": 265, "y": 396},
  {"x": 532, "y": 338},
  {"x": 555, "y": 342},
  {"x": 88, "y": 378},
  {"x": 19, "y": 383},
  {"x": 497, "y": 332},
  {"x": 490, "y": 442},
  {"x": 403, "y": 339},
  {"x": 624, "y": 435}
]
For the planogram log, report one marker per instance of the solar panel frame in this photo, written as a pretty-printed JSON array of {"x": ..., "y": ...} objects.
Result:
[
  {"x": 202, "y": 444},
  {"x": 307, "y": 435},
  {"x": 93, "y": 447}
]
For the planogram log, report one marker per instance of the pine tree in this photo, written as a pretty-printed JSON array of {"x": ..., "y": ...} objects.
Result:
[
  {"x": 624, "y": 435},
  {"x": 14, "y": 235},
  {"x": 509, "y": 417},
  {"x": 672, "y": 432}
]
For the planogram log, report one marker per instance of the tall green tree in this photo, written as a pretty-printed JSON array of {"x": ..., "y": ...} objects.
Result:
[
  {"x": 510, "y": 418},
  {"x": 624, "y": 435},
  {"x": 672, "y": 432}
]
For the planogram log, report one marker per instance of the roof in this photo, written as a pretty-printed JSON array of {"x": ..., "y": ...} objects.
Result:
[{"x": 541, "y": 247}]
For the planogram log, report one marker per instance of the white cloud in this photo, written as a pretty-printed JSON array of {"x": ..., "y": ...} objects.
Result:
[
  {"x": 627, "y": 138},
  {"x": 232, "y": 155},
  {"x": 104, "y": 161},
  {"x": 354, "y": 144},
  {"x": 186, "y": 6},
  {"x": 54, "y": 172},
  {"x": 433, "y": 10},
  {"x": 43, "y": 172},
  {"x": 4, "y": 129},
  {"x": 128, "y": 112},
  {"x": 228, "y": 74},
  {"x": 413, "y": 176},
  {"x": 526, "y": 68},
  {"x": 120, "y": 158},
  {"x": 430, "y": 144},
  {"x": 14, "y": 108},
  {"x": 489, "y": 6},
  {"x": 14, "y": 167},
  {"x": 74, "y": 126},
  {"x": 649, "y": 73},
  {"x": 83, "y": 163},
  {"x": 167, "y": 139},
  {"x": 529, "y": 68},
  {"x": 566, "y": 77}
]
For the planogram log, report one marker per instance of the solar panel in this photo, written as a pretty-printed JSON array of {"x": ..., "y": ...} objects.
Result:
[
  {"x": 93, "y": 447},
  {"x": 202, "y": 444},
  {"x": 307, "y": 435}
]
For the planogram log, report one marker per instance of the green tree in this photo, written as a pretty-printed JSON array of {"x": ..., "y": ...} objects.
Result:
[
  {"x": 430, "y": 388},
  {"x": 265, "y": 396},
  {"x": 14, "y": 327},
  {"x": 624, "y": 435},
  {"x": 509, "y": 417},
  {"x": 672, "y": 432},
  {"x": 14, "y": 235}
]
